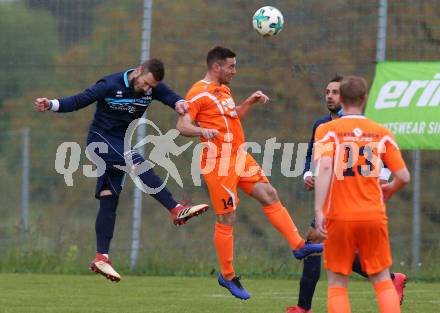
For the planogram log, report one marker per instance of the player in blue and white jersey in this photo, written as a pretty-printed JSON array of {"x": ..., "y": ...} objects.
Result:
[{"x": 121, "y": 98}]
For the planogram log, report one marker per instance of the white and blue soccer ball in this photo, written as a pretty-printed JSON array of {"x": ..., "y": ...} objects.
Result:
[{"x": 268, "y": 21}]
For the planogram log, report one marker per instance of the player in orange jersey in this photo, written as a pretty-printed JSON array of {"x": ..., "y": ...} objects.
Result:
[
  {"x": 312, "y": 264},
  {"x": 350, "y": 202},
  {"x": 226, "y": 165}
]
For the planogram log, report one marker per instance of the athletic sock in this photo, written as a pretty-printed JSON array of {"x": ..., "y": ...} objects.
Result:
[
  {"x": 309, "y": 279},
  {"x": 387, "y": 298},
  {"x": 105, "y": 222},
  {"x": 279, "y": 217},
  {"x": 224, "y": 244},
  {"x": 338, "y": 301},
  {"x": 164, "y": 196}
]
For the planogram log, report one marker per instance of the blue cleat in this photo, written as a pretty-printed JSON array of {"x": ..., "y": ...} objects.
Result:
[
  {"x": 308, "y": 249},
  {"x": 234, "y": 286}
]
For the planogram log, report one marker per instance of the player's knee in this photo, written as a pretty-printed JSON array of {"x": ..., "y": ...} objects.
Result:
[
  {"x": 265, "y": 193},
  {"x": 105, "y": 193},
  {"x": 337, "y": 280},
  {"x": 108, "y": 203},
  {"x": 378, "y": 277},
  {"x": 226, "y": 219},
  {"x": 271, "y": 194}
]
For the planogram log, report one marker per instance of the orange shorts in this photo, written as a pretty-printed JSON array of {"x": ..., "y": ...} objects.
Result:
[
  {"x": 368, "y": 238},
  {"x": 240, "y": 170}
]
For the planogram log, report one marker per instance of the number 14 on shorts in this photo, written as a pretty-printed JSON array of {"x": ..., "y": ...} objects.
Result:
[{"x": 228, "y": 203}]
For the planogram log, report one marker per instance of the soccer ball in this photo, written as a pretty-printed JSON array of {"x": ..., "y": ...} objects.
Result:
[{"x": 268, "y": 21}]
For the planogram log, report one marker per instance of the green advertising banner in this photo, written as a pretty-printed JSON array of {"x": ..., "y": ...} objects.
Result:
[{"x": 405, "y": 97}]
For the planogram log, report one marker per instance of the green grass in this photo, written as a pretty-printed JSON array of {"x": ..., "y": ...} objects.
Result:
[{"x": 32, "y": 293}]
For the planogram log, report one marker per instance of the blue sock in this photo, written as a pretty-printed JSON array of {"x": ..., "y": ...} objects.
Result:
[
  {"x": 309, "y": 279},
  {"x": 164, "y": 196},
  {"x": 357, "y": 268},
  {"x": 105, "y": 222}
]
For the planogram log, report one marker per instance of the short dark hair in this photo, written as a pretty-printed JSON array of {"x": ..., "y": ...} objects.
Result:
[
  {"x": 218, "y": 55},
  {"x": 336, "y": 79},
  {"x": 354, "y": 90},
  {"x": 155, "y": 67}
]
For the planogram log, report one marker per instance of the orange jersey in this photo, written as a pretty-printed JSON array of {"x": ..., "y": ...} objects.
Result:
[
  {"x": 212, "y": 106},
  {"x": 358, "y": 147}
]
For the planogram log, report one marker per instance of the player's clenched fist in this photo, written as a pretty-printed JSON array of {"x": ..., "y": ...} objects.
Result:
[
  {"x": 209, "y": 133},
  {"x": 42, "y": 104},
  {"x": 182, "y": 107},
  {"x": 309, "y": 183},
  {"x": 259, "y": 96}
]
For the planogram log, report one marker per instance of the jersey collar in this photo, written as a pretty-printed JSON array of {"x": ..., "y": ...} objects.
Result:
[
  {"x": 127, "y": 83},
  {"x": 354, "y": 116}
]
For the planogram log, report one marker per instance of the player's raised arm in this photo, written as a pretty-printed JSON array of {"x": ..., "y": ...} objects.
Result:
[
  {"x": 167, "y": 96},
  {"x": 244, "y": 108},
  {"x": 186, "y": 127},
  {"x": 75, "y": 102}
]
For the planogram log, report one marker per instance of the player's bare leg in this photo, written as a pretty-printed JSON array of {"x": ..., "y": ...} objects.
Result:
[{"x": 338, "y": 301}]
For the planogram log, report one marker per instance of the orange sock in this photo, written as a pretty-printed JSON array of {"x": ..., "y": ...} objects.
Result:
[
  {"x": 338, "y": 301},
  {"x": 387, "y": 297},
  {"x": 279, "y": 217},
  {"x": 224, "y": 244}
]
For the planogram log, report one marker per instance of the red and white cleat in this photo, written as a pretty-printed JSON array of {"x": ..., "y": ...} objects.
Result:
[
  {"x": 102, "y": 265},
  {"x": 182, "y": 213}
]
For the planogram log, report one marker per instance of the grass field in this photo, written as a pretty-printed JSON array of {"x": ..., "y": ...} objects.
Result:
[{"x": 31, "y": 293}]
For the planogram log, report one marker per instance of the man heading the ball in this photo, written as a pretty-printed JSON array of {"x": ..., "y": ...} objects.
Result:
[{"x": 226, "y": 165}]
